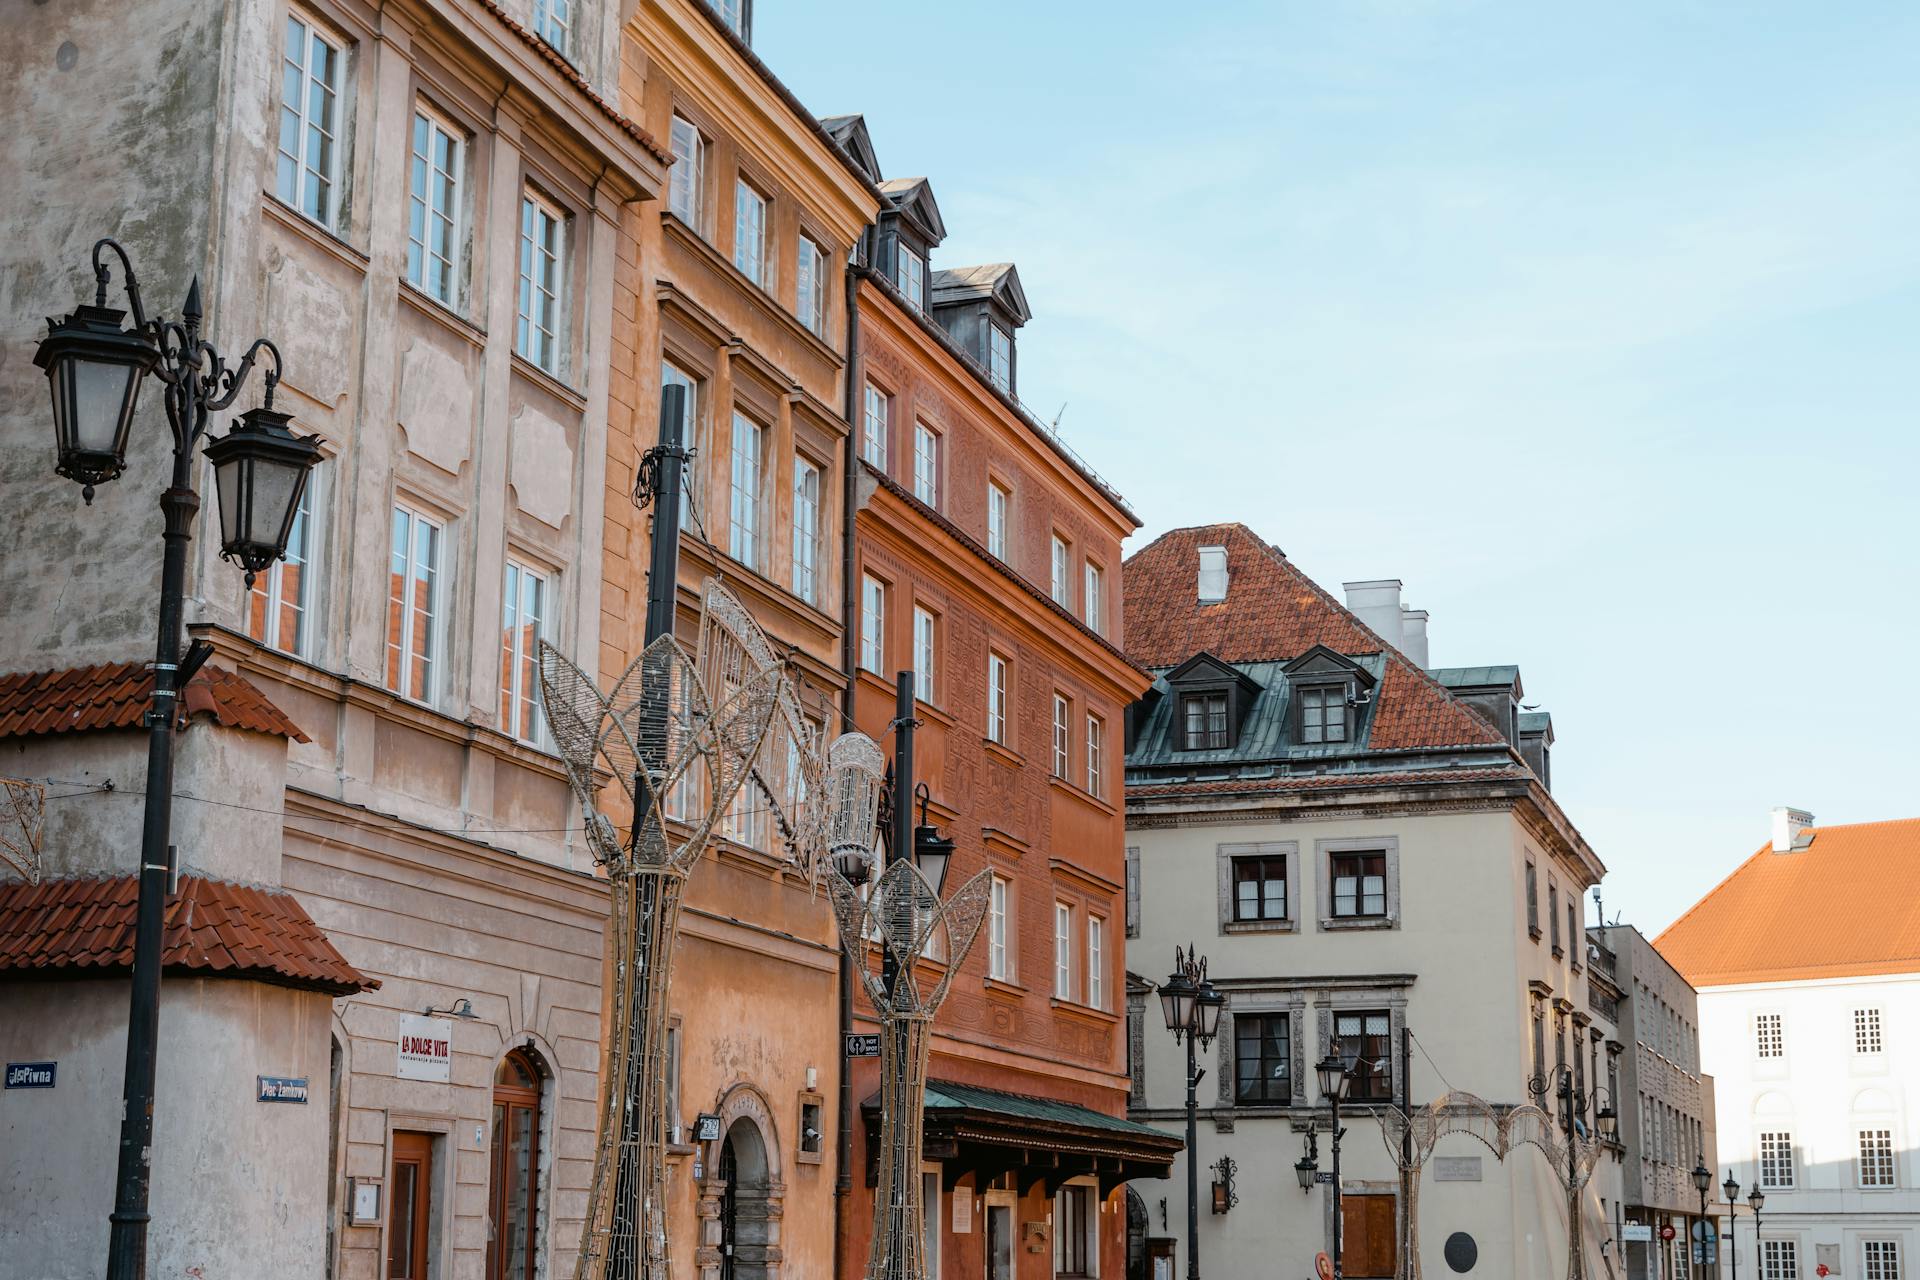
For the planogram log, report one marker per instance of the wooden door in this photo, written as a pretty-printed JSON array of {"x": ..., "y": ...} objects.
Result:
[
  {"x": 513, "y": 1195},
  {"x": 1368, "y": 1245},
  {"x": 999, "y": 1242},
  {"x": 409, "y": 1206}
]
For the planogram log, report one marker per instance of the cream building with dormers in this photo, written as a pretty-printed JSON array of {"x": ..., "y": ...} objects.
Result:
[
  {"x": 1359, "y": 853},
  {"x": 1807, "y": 959}
]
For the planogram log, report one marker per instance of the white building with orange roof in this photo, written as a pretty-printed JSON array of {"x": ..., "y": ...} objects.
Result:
[{"x": 1807, "y": 961}]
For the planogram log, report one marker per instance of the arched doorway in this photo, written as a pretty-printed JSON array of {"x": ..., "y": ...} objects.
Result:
[
  {"x": 513, "y": 1190},
  {"x": 1136, "y": 1236},
  {"x": 745, "y": 1233}
]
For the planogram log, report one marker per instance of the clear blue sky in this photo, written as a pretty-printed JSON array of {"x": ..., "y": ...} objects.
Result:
[{"x": 1595, "y": 324}]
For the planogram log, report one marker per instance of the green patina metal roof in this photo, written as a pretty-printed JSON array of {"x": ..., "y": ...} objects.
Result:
[
  {"x": 1263, "y": 735},
  {"x": 944, "y": 1095},
  {"x": 1504, "y": 676}
]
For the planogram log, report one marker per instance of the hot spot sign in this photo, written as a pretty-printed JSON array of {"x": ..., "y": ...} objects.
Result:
[{"x": 426, "y": 1048}]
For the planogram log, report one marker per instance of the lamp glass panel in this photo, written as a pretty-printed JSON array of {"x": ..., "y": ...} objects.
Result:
[
  {"x": 228, "y": 480},
  {"x": 276, "y": 489},
  {"x": 101, "y": 394}
]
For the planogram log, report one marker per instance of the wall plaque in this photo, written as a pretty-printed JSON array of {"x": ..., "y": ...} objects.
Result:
[{"x": 1456, "y": 1168}]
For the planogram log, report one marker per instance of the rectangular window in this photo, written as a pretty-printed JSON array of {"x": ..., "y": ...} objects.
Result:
[
  {"x": 1096, "y": 962},
  {"x": 910, "y": 274},
  {"x": 1553, "y": 914},
  {"x": 413, "y": 606},
  {"x": 433, "y": 207},
  {"x": 1780, "y": 1260},
  {"x": 806, "y": 531},
  {"x": 1768, "y": 1041},
  {"x": 1533, "y": 901},
  {"x": 743, "y": 526},
  {"x": 553, "y": 22},
  {"x": 1323, "y": 714},
  {"x": 1882, "y": 1259},
  {"x": 1263, "y": 1059},
  {"x": 522, "y": 618},
  {"x": 996, "y": 699},
  {"x": 926, "y": 464},
  {"x": 1866, "y": 1031},
  {"x": 1000, "y": 357},
  {"x": 1573, "y": 935},
  {"x": 537, "y": 325},
  {"x": 1062, "y": 951},
  {"x": 750, "y": 233},
  {"x": 733, "y": 13},
  {"x": 686, "y": 186},
  {"x": 873, "y": 624},
  {"x": 1206, "y": 720},
  {"x": 1062, "y": 735},
  {"x": 923, "y": 654},
  {"x": 810, "y": 297},
  {"x": 308, "y": 173},
  {"x": 998, "y": 501},
  {"x": 999, "y": 930},
  {"x": 1776, "y": 1159},
  {"x": 1371, "y": 1033},
  {"x": 1072, "y": 1230},
  {"x": 1359, "y": 884},
  {"x": 1096, "y": 755},
  {"x": 1062, "y": 560},
  {"x": 1096, "y": 599},
  {"x": 1876, "y": 1158},
  {"x": 875, "y": 426},
  {"x": 278, "y": 604},
  {"x": 692, "y": 492},
  {"x": 1260, "y": 888}
]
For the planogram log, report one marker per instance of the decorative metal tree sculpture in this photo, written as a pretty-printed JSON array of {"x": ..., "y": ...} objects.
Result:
[
  {"x": 906, "y": 917},
  {"x": 23, "y": 813}
]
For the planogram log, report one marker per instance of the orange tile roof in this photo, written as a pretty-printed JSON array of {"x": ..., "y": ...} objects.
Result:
[
  {"x": 84, "y": 928},
  {"x": 571, "y": 74},
  {"x": 115, "y": 695},
  {"x": 1274, "y": 612},
  {"x": 1843, "y": 907}
]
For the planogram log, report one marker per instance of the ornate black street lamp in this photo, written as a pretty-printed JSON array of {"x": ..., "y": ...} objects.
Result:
[
  {"x": 1758, "y": 1198},
  {"x": 1702, "y": 1179},
  {"x": 1336, "y": 1077},
  {"x": 1307, "y": 1167},
  {"x": 95, "y": 369},
  {"x": 1192, "y": 1009},
  {"x": 1732, "y": 1190}
]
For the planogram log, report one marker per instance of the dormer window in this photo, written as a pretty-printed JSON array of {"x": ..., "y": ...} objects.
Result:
[
  {"x": 736, "y": 14},
  {"x": 1329, "y": 691},
  {"x": 1323, "y": 714},
  {"x": 1214, "y": 700},
  {"x": 1205, "y": 718},
  {"x": 910, "y": 274},
  {"x": 1000, "y": 357}
]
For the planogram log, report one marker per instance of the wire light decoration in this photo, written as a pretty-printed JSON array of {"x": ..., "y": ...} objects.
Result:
[
  {"x": 23, "y": 816},
  {"x": 905, "y": 916}
]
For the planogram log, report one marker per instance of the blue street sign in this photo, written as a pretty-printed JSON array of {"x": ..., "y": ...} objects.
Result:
[
  {"x": 283, "y": 1089},
  {"x": 31, "y": 1075}
]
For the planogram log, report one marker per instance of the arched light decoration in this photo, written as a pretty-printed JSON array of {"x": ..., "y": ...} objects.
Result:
[
  {"x": 260, "y": 470},
  {"x": 94, "y": 370}
]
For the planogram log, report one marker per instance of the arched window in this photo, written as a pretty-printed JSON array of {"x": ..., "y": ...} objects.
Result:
[{"x": 513, "y": 1192}]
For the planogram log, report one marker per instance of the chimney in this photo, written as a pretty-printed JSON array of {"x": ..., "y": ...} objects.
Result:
[
  {"x": 1788, "y": 824},
  {"x": 1377, "y": 603},
  {"x": 1213, "y": 575},
  {"x": 1413, "y": 635}
]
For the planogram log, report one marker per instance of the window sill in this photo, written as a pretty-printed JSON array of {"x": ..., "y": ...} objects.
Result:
[
  {"x": 1004, "y": 753},
  {"x": 1533, "y": 931},
  {"x": 1558, "y": 951},
  {"x": 322, "y": 236},
  {"x": 752, "y": 289},
  {"x": 1083, "y": 1012},
  {"x": 1335, "y": 924},
  {"x": 1259, "y": 926},
  {"x": 1006, "y": 988},
  {"x": 932, "y": 712},
  {"x": 551, "y": 381},
  {"x": 441, "y": 313},
  {"x": 1081, "y": 794}
]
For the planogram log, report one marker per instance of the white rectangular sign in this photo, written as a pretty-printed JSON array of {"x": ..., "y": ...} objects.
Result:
[
  {"x": 962, "y": 1213},
  {"x": 1636, "y": 1231},
  {"x": 426, "y": 1048}
]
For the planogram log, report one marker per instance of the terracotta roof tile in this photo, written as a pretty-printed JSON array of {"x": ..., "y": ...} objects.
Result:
[
  {"x": 1274, "y": 612},
  {"x": 115, "y": 695},
  {"x": 1842, "y": 907},
  {"x": 571, "y": 74},
  {"x": 80, "y": 928}
]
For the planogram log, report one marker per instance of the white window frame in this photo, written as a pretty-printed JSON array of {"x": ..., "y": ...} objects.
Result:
[
  {"x": 1769, "y": 1036},
  {"x": 873, "y": 624},
  {"x": 1094, "y": 597},
  {"x": 270, "y": 588},
  {"x": 1096, "y": 961},
  {"x": 450, "y": 182},
  {"x": 542, "y": 283},
  {"x": 998, "y": 683},
  {"x": 408, "y": 568},
  {"x": 1089, "y": 1243},
  {"x": 747, "y": 467},
  {"x": 1000, "y": 953},
  {"x": 686, "y": 183},
  {"x": 926, "y": 464},
  {"x": 553, "y": 22},
  {"x": 311, "y": 189},
  {"x": 1062, "y": 736},
  {"x": 1096, "y": 755},
  {"x": 734, "y": 14},
  {"x": 999, "y": 507},
  {"x": 1780, "y": 1260},
  {"x": 999, "y": 357},
  {"x": 1060, "y": 557},
  {"x": 523, "y": 717},
  {"x": 1775, "y": 1159},
  {"x": 1880, "y": 1260},
  {"x": 692, "y": 492},
  {"x": 910, "y": 274},
  {"x": 1063, "y": 951},
  {"x": 750, "y": 210},
  {"x": 1868, "y": 1040},
  {"x": 810, "y": 289},
  {"x": 1882, "y": 1162},
  {"x": 925, "y": 657},
  {"x": 876, "y": 424},
  {"x": 808, "y": 480}
]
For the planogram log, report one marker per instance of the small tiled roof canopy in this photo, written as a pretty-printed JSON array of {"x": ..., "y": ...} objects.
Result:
[
  {"x": 1274, "y": 612},
  {"x": 1843, "y": 906},
  {"x": 85, "y": 928},
  {"x": 115, "y": 696}
]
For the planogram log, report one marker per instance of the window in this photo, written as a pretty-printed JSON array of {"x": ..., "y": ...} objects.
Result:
[
  {"x": 1540, "y": 1073},
  {"x": 1371, "y": 1033},
  {"x": 1000, "y": 357},
  {"x": 926, "y": 464},
  {"x": 1096, "y": 599},
  {"x": 930, "y": 1221},
  {"x": 523, "y": 617},
  {"x": 1776, "y": 1159},
  {"x": 743, "y": 535},
  {"x": 308, "y": 164},
  {"x": 513, "y": 1193},
  {"x": 413, "y": 606},
  {"x": 1206, "y": 720},
  {"x": 686, "y": 186},
  {"x": 691, "y": 490},
  {"x": 1680, "y": 1256},
  {"x": 1876, "y": 1158},
  {"x": 999, "y": 930},
  {"x": 1096, "y": 962},
  {"x": 1323, "y": 713},
  {"x": 433, "y": 207},
  {"x": 1072, "y": 1231},
  {"x": 537, "y": 327},
  {"x": 1768, "y": 1042},
  {"x": 1263, "y": 1059},
  {"x": 750, "y": 233},
  {"x": 806, "y": 531},
  {"x": 1260, "y": 888},
  {"x": 1882, "y": 1259},
  {"x": 1062, "y": 736},
  {"x": 1533, "y": 901},
  {"x": 552, "y": 20},
  {"x": 1866, "y": 1031},
  {"x": 1780, "y": 1260},
  {"x": 1096, "y": 755},
  {"x": 910, "y": 274},
  {"x": 1062, "y": 570},
  {"x": 997, "y": 503},
  {"x": 810, "y": 296},
  {"x": 996, "y": 699},
  {"x": 278, "y": 603},
  {"x": 733, "y": 13},
  {"x": 1359, "y": 884},
  {"x": 1062, "y": 951},
  {"x": 875, "y": 426},
  {"x": 873, "y": 623},
  {"x": 1553, "y": 914},
  {"x": 923, "y": 654},
  {"x": 1573, "y": 934}
]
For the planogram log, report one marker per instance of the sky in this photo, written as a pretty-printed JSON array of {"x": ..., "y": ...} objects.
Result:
[{"x": 1596, "y": 325}]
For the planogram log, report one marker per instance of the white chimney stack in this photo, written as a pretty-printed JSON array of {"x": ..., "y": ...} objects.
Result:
[
  {"x": 1787, "y": 826},
  {"x": 1213, "y": 575},
  {"x": 1376, "y": 602},
  {"x": 1413, "y": 635}
]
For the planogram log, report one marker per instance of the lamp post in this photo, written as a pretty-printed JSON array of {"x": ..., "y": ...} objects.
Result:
[
  {"x": 1702, "y": 1179},
  {"x": 95, "y": 369},
  {"x": 1191, "y": 1007},
  {"x": 1756, "y": 1198},
  {"x": 1336, "y": 1076},
  {"x": 1732, "y": 1191}
]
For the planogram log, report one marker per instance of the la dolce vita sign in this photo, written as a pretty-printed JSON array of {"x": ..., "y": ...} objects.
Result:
[{"x": 426, "y": 1048}]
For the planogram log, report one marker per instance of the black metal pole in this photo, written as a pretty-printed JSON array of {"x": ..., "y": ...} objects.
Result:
[
  {"x": 1733, "y": 1243},
  {"x": 1193, "y": 1162},
  {"x": 663, "y": 566},
  {"x": 1406, "y": 1147},
  {"x": 1339, "y": 1201}
]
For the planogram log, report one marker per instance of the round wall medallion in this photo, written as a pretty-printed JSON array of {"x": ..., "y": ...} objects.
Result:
[{"x": 1461, "y": 1251}]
